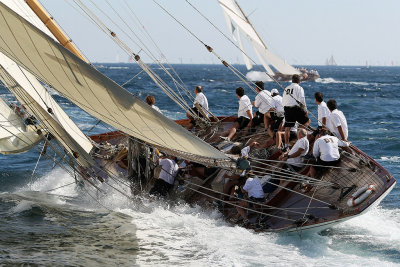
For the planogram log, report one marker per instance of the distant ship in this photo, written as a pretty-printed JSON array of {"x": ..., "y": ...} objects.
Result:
[{"x": 331, "y": 62}]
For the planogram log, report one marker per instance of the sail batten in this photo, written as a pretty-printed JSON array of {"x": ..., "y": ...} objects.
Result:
[{"x": 94, "y": 92}]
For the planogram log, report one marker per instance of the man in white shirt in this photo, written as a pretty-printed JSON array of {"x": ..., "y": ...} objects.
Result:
[
  {"x": 294, "y": 104},
  {"x": 245, "y": 114},
  {"x": 326, "y": 151},
  {"x": 255, "y": 193},
  {"x": 201, "y": 99},
  {"x": 151, "y": 100},
  {"x": 263, "y": 102},
  {"x": 165, "y": 181},
  {"x": 323, "y": 113},
  {"x": 275, "y": 115},
  {"x": 338, "y": 123},
  {"x": 299, "y": 149}
]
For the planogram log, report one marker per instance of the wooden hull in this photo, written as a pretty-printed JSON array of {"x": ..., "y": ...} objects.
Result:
[{"x": 287, "y": 209}]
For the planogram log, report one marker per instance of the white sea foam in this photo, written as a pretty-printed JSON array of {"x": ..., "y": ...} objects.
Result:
[
  {"x": 258, "y": 76},
  {"x": 331, "y": 80},
  {"x": 191, "y": 236},
  {"x": 391, "y": 159}
]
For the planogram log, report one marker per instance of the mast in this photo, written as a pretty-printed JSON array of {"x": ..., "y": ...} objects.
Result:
[{"x": 47, "y": 20}]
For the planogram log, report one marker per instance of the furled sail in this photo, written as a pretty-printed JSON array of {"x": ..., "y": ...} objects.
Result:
[
  {"x": 240, "y": 21},
  {"x": 14, "y": 136},
  {"x": 94, "y": 92}
]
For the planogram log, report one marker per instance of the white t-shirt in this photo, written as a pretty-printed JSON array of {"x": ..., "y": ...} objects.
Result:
[
  {"x": 244, "y": 105},
  {"x": 326, "y": 148},
  {"x": 202, "y": 100},
  {"x": 253, "y": 188},
  {"x": 245, "y": 151},
  {"x": 301, "y": 143},
  {"x": 297, "y": 92},
  {"x": 263, "y": 101},
  {"x": 156, "y": 108},
  {"x": 277, "y": 104},
  {"x": 323, "y": 112},
  {"x": 337, "y": 119},
  {"x": 169, "y": 170}
]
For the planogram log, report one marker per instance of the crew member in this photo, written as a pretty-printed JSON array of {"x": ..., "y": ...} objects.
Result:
[
  {"x": 201, "y": 99},
  {"x": 151, "y": 100},
  {"x": 294, "y": 104},
  {"x": 165, "y": 181},
  {"x": 338, "y": 123},
  {"x": 263, "y": 102},
  {"x": 245, "y": 114},
  {"x": 299, "y": 149},
  {"x": 326, "y": 151}
]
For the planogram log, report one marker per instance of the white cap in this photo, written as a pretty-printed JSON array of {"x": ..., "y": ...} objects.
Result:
[{"x": 274, "y": 91}]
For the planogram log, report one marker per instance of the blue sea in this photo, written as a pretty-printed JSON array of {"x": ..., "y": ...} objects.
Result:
[{"x": 73, "y": 226}]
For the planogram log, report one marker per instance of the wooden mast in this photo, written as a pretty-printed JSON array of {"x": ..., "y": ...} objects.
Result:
[{"x": 53, "y": 27}]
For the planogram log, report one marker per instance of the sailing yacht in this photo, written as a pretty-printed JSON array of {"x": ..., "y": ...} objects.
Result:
[
  {"x": 331, "y": 61},
  {"x": 33, "y": 55},
  {"x": 239, "y": 25}
]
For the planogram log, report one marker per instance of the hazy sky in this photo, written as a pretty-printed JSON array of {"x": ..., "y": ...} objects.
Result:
[{"x": 301, "y": 32}]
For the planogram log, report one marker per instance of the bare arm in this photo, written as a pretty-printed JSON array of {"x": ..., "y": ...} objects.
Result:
[
  {"x": 249, "y": 114},
  {"x": 340, "y": 129}
]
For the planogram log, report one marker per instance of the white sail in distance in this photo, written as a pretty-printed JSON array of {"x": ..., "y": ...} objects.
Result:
[
  {"x": 240, "y": 21},
  {"x": 95, "y": 93},
  {"x": 32, "y": 86}
]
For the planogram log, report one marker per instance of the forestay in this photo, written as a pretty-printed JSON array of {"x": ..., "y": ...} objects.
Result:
[
  {"x": 95, "y": 93},
  {"x": 236, "y": 20}
]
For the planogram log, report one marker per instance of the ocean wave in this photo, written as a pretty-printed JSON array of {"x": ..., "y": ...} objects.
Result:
[
  {"x": 391, "y": 159},
  {"x": 331, "y": 80}
]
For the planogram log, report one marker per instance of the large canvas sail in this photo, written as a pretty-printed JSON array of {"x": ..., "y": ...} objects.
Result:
[
  {"x": 32, "y": 86},
  {"x": 94, "y": 92},
  {"x": 239, "y": 21}
]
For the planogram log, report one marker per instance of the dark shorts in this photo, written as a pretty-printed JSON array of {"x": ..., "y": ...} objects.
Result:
[
  {"x": 290, "y": 167},
  {"x": 258, "y": 118},
  {"x": 255, "y": 199},
  {"x": 196, "y": 111},
  {"x": 276, "y": 121},
  {"x": 160, "y": 188},
  {"x": 293, "y": 114},
  {"x": 242, "y": 121},
  {"x": 325, "y": 163}
]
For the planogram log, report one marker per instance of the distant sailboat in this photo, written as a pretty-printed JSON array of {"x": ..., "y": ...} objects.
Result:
[
  {"x": 331, "y": 62},
  {"x": 239, "y": 25}
]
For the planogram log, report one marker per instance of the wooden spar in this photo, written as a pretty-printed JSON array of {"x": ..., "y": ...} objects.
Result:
[{"x": 53, "y": 27}]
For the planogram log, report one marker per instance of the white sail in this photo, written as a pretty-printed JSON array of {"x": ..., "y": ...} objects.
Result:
[
  {"x": 14, "y": 136},
  {"x": 237, "y": 18},
  {"x": 94, "y": 92},
  {"x": 32, "y": 86}
]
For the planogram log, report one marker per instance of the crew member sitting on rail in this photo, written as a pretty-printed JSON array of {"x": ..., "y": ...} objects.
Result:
[
  {"x": 300, "y": 148},
  {"x": 245, "y": 114},
  {"x": 165, "y": 181},
  {"x": 254, "y": 191},
  {"x": 201, "y": 99},
  {"x": 294, "y": 103},
  {"x": 338, "y": 123},
  {"x": 263, "y": 102},
  {"x": 151, "y": 100},
  {"x": 326, "y": 151}
]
